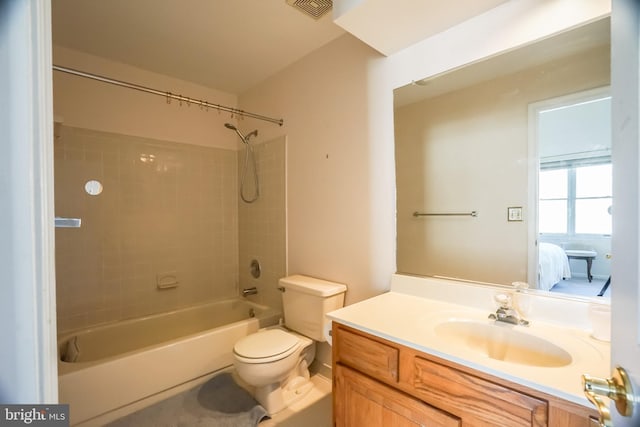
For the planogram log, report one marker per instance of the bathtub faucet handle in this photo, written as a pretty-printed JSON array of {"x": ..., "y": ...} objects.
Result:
[{"x": 249, "y": 291}]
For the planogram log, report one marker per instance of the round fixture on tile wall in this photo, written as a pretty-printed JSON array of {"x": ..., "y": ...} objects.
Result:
[{"x": 93, "y": 187}]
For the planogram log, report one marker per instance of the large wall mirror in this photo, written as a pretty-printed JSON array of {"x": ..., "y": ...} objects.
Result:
[{"x": 503, "y": 167}]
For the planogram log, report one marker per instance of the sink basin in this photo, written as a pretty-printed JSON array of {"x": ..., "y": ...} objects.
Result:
[{"x": 503, "y": 342}]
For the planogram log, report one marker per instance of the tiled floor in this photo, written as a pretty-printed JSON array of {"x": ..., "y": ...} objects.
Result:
[{"x": 314, "y": 410}]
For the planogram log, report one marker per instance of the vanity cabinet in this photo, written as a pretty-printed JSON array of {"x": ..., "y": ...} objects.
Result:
[{"x": 380, "y": 383}]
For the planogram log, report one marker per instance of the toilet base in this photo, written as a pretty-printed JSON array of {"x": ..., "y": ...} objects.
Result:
[
  {"x": 271, "y": 398},
  {"x": 276, "y": 397},
  {"x": 296, "y": 391}
]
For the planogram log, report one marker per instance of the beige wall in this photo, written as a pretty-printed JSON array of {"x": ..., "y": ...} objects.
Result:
[
  {"x": 166, "y": 209},
  {"x": 337, "y": 108},
  {"x": 468, "y": 150}
]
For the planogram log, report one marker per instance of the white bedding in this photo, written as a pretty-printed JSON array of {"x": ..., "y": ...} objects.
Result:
[{"x": 553, "y": 265}]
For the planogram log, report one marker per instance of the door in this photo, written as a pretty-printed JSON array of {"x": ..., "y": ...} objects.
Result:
[
  {"x": 28, "y": 362},
  {"x": 625, "y": 266}
]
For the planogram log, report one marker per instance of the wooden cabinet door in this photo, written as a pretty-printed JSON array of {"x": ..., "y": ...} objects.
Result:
[
  {"x": 475, "y": 400},
  {"x": 361, "y": 401}
]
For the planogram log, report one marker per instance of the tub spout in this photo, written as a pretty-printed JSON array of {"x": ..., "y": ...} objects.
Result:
[{"x": 249, "y": 291}]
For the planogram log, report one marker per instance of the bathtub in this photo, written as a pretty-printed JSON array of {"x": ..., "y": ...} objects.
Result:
[{"x": 109, "y": 367}]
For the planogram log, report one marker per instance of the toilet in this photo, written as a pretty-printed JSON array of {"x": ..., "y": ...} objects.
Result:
[{"x": 276, "y": 360}]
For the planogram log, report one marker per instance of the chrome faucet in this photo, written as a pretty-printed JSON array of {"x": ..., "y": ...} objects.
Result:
[
  {"x": 506, "y": 313},
  {"x": 249, "y": 291}
]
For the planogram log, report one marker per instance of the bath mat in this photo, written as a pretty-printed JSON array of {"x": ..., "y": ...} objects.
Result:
[{"x": 219, "y": 402}]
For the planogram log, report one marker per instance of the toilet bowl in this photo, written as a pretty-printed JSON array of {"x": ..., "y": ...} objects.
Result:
[{"x": 276, "y": 360}]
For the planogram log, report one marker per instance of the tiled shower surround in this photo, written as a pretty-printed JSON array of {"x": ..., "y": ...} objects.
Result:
[{"x": 168, "y": 210}]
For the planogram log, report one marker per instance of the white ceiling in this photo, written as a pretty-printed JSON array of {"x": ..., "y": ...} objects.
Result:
[
  {"x": 229, "y": 45},
  {"x": 390, "y": 26},
  {"x": 232, "y": 45}
]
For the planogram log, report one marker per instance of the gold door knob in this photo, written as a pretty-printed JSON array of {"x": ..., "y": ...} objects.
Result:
[{"x": 617, "y": 388}]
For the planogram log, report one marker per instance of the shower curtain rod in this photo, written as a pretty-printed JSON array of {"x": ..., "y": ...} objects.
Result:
[{"x": 168, "y": 95}]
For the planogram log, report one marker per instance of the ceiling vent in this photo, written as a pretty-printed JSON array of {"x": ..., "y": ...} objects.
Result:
[{"x": 313, "y": 8}]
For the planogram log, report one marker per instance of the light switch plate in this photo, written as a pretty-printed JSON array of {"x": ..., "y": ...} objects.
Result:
[{"x": 514, "y": 213}]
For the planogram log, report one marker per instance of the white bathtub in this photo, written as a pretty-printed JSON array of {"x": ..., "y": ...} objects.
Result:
[{"x": 120, "y": 363}]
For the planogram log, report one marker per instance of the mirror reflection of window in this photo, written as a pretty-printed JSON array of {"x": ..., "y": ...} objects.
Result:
[
  {"x": 575, "y": 200},
  {"x": 593, "y": 199},
  {"x": 552, "y": 208},
  {"x": 574, "y": 181}
]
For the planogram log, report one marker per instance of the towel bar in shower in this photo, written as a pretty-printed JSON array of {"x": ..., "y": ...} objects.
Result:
[{"x": 472, "y": 213}]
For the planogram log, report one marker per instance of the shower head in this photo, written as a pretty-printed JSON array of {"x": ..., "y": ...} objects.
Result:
[
  {"x": 232, "y": 127},
  {"x": 242, "y": 137}
]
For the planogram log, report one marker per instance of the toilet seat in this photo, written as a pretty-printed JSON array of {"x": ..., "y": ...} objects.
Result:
[{"x": 266, "y": 346}]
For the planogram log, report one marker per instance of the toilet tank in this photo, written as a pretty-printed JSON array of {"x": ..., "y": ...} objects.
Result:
[{"x": 306, "y": 300}]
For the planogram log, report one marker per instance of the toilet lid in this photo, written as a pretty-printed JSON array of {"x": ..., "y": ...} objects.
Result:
[{"x": 265, "y": 344}]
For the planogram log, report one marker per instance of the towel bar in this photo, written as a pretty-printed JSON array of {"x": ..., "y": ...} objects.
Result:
[{"x": 472, "y": 213}]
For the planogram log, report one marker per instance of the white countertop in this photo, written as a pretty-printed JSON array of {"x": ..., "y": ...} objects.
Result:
[{"x": 410, "y": 320}]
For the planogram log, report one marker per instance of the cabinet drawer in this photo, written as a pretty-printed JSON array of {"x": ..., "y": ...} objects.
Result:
[
  {"x": 473, "y": 398},
  {"x": 369, "y": 356}
]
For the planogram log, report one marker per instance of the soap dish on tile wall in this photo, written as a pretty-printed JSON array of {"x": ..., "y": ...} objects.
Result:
[{"x": 167, "y": 280}]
